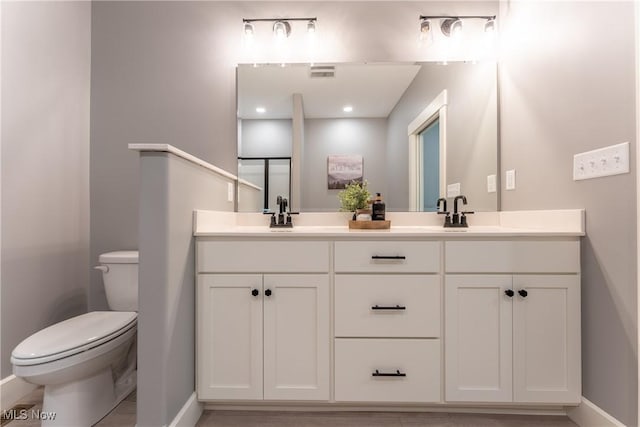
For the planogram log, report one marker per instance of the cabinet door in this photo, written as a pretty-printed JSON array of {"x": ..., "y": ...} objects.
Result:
[
  {"x": 478, "y": 338},
  {"x": 296, "y": 337},
  {"x": 229, "y": 337},
  {"x": 546, "y": 339}
]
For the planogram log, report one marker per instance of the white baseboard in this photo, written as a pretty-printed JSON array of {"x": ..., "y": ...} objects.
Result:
[
  {"x": 189, "y": 414},
  {"x": 587, "y": 414},
  {"x": 12, "y": 389}
]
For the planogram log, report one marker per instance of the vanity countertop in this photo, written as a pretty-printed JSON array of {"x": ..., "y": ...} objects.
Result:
[
  {"x": 565, "y": 223},
  {"x": 395, "y": 231}
]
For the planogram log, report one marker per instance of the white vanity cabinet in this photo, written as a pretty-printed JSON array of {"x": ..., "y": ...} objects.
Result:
[
  {"x": 513, "y": 336},
  {"x": 263, "y": 336},
  {"x": 387, "y": 321},
  {"x": 399, "y": 319}
]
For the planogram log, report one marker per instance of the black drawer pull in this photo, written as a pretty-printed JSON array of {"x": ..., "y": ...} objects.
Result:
[
  {"x": 396, "y": 307},
  {"x": 388, "y": 257},
  {"x": 397, "y": 373}
]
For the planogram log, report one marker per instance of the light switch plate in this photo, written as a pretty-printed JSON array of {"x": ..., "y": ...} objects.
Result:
[
  {"x": 491, "y": 183},
  {"x": 510, "y": 179},
  {"x": 453, "y": 190},
  {"x": 230, "y": 191},
  {"x": 611, "y": 160}
]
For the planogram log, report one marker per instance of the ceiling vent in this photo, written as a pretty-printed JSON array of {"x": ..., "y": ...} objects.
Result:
[{"x": 322, "y": 71}]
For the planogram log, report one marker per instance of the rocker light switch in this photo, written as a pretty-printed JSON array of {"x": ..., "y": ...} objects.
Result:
[
  {"x": 491, "y": 183},
  {"x": 510, "y": 179},
  {"x": 229, "y": 192},
  {"x": 453, "y": 190}
]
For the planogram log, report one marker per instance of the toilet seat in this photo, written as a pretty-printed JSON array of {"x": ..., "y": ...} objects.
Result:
[{"x": 73, "y": 336}]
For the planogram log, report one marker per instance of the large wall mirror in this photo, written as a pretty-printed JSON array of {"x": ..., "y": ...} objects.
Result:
[{"x": 414, "y": 131}]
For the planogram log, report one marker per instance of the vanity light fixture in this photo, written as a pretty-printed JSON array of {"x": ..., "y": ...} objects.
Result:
[
  {"x": 281, "y": 26},
  {"x": 282, "y": 29},
  {"x": 311, "y": 26},
  {"x": 261, "y": 110},
  {"x": 248, "y": 29},
  {"x": 451, "y": 26},
  {"x": 425, "y": 28},
  {"x": 347, "y": 108},
  {"x": 490, "y": 25}
]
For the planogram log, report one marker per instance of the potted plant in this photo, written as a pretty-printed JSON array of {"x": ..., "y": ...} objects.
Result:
[{"x": 354, "y": 197}]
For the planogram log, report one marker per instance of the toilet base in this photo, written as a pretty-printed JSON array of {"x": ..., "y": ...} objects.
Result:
[{"x": 91, "y": 399}]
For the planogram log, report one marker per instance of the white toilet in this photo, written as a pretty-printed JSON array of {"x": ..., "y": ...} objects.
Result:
[{"x": 87, "y": 364}]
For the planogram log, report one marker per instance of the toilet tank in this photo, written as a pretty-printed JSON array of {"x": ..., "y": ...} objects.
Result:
[{"x": 120, "y": 277}]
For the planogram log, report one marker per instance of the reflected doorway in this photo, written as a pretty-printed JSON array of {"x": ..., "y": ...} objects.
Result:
[
  {"x": 429, "y": 168},
  {"x": 427, "y": 156}
]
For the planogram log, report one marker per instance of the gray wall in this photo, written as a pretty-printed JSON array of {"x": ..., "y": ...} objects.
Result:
[
  {"x": 324, "y": 137},
  {"x": 265, "y": 138},
  {"x": 165, "y": 72},
  {"x": 45, "y": 166},
  {"x": 171, "y": 188},
  {"x": 472, "y": 134},
  {"x": 566, "y": 88}
]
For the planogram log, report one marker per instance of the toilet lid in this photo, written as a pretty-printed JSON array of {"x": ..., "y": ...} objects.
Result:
[
  {"x": 119, "y": 257},
  {"x": 73, "y": 336}
]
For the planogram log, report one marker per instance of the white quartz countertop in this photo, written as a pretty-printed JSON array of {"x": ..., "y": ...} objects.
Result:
[
  {"x": 567, "y": 223},
  {"x": 399, "y": 231}
]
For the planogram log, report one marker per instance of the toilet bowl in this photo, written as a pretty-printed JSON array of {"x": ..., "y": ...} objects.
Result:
[{"x": 87, "y": 364}]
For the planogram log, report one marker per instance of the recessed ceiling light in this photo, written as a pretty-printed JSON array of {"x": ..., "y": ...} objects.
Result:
[
  {"x": 261, "y": 110},
  {"x": 347, "y": 108}
]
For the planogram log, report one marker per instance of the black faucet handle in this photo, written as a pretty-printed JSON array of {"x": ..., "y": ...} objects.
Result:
[
  {"x": 443, "y": 213},
  {"x": 467, "y": 212},
  {"x": 444, "y": 205}
]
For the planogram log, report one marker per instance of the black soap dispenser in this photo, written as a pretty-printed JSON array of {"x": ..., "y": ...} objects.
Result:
[{"x": 378, "y": 208}]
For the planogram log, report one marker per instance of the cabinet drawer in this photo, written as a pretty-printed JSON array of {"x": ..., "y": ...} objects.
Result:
[
  {"x": 512, "y": 256},
  {"x": 387, "y": 306},
  {"x": 357, "y": 360},
  {"x": 262, "y": 257},
  {"x": 398, "y": 256}
]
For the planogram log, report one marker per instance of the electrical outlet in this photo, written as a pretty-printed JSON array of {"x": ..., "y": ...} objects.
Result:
[
  {"x": 612, "y": 160},
  {"x": 453, "y": 190},
  {"x": 510, "y": 179},
  {"x": 491, "y": 184}
]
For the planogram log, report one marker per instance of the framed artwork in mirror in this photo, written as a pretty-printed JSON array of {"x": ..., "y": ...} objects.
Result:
[{"x": 343, "y": 170}]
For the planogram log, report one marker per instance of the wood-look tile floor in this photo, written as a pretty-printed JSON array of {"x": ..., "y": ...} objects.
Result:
[
  {"x": 374, "y": 419},
  {"x": 124, "y": 415}
]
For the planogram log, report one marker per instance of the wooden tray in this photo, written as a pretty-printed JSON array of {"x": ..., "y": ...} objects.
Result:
[{"x": 370, "y": 225}]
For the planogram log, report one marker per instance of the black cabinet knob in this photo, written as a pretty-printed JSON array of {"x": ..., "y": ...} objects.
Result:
[
  {"x": 268, "y": 292},
  {"x": 255, "y": 292},
  {"x": 523, "y": 293},
  {"x": 508, "y": 293}
]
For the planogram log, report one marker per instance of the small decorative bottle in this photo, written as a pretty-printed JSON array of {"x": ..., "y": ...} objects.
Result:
[{"x": 378, "y": 208}]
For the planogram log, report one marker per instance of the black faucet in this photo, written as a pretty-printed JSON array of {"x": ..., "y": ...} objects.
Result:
[
  {"x": 281, "y": 221},
  {"x": 459, "y": 219},
  {"x": 444, "y": 211}
]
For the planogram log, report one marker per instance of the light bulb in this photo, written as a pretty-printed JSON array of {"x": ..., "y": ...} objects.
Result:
[
  {"x": 281, "y": 29},
  {"x": 311, "y": 26},
  {"x": 261, "y": 110},
  {"x": 456, "y": 28},
  {"x": 451, "y": 27},
  {"x": 425, "y": 29},
  {"x": 490, "y": 26},
  {"x": 347, "y": 108},
  {"x": 248, "y": 29}
]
